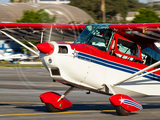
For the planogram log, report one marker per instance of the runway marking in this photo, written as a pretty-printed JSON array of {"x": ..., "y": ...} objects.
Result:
[
  {"x": 22, "y": 83},
  {"x": 21, "y": 102},
  {"x": 92, "y": 111},
  {"x": 69, "y": 112},
  {"x": 37, "y": 84}
]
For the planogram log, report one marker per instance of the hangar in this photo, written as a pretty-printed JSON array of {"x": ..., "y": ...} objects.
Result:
[{"x": 65, "y": 13}]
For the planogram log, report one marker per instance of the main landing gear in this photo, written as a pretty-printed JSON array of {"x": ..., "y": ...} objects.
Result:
[
  {"x": 51, "y": 108},
  {"x": 55, "y": 102},
  {"x": 124, "y": 104}
]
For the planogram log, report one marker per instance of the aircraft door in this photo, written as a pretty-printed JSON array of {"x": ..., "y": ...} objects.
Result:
[
  {"x": 130, "y": 55},
  {"x": 96, "y": 74},
  {"x": 97, "y": 60}
]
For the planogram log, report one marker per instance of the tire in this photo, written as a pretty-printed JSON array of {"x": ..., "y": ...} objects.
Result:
[
  {"x": 121, "y": 111},
  {"x": 51, "y": 108}
]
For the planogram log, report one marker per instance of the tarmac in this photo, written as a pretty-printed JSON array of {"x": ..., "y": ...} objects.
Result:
[{"x": 19, "y": 99}]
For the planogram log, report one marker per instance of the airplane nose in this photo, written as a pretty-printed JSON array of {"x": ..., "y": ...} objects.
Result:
[{"x": 45, "y": 48}]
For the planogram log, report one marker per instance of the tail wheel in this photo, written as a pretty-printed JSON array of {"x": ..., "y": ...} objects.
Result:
[
  {"x": 121, "y": 111},
  {"x": 51, "y": 108}
]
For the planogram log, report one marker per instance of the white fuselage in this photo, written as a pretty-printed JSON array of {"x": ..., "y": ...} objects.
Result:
[{"x": 94, "y": 73}]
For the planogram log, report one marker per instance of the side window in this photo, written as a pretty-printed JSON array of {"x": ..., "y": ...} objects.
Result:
[
  {"x": 129, "y": 50},
  {"x": 149, "y": 55},
  {"x": 125, "y": 49},
  {"x": 128, "y": 47}
]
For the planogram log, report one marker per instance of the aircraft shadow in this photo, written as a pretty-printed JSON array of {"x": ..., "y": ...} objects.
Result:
[
  {"x": 91, "y": 107},
  {"x": 87, "y": 107},
  {"x": 151, "y": 105},
  {"x": 1, "y": 104},
  {"x": 75, "y": 107}
]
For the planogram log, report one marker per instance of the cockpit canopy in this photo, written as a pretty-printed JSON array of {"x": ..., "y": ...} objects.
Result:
[{"x": 96, "y": 35}]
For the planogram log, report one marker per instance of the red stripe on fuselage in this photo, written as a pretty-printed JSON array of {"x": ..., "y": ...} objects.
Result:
[{"x": 88, "y": 49}]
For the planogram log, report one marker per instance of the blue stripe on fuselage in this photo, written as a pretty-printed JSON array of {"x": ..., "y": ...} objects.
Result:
[{"x": 110, "y": 64}]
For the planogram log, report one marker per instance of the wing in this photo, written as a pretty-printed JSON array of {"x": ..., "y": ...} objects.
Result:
[
  {"x": 36, "y": 26},
  {"x": 40, "y": 32},
  {"x": 33, "y": 31},
  {"x": 138, "y": 32}
]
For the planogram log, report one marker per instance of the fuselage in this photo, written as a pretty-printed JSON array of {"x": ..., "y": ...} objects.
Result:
[{"x": 90, "y": 64}]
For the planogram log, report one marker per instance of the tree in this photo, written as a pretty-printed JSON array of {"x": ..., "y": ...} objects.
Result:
[
  {"x": 40, "y": 16},
  {"x": 155, "y": 6},
  {"x": 134, "y": 5},
  {"x": 31, "y": 16},
  {"x": 92, "y": 7},
  {"x": 112, "y": 8},
  {"x": 146, "y": 15},
  {"x": 122, "y": 8}
]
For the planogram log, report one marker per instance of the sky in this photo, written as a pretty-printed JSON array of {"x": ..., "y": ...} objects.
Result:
[
  {"x": 143, "y": 1},
  {"x": 6, "y": 1}
]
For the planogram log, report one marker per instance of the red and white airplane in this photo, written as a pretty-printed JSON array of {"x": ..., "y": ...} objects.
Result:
[{"x": 120, "y": 60}]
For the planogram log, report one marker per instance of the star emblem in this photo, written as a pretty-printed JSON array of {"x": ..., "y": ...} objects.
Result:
[
  {"x": 122, "y": 100},
  {"x": 75, "y": 53}
]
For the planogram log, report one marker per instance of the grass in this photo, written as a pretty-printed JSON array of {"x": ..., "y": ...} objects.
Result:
[{"x": 18, "y": 65}]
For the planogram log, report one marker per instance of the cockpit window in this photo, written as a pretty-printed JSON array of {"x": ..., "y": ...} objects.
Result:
[
  {"x": 96, "y": 35},
  {"x": 128, "y": 47},
  {"x": 125, "y": 49}
]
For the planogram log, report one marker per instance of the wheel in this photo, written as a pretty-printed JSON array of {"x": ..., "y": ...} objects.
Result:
[
  {"x": 51, "y": 108},
  {"x": 121, "y": 111}
]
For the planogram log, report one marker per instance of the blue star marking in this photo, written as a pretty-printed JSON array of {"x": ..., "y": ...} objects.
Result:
[{"x": 75, "y": 53}]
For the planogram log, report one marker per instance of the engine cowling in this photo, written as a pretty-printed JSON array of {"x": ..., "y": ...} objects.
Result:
[{"x": 46, "y": 48}]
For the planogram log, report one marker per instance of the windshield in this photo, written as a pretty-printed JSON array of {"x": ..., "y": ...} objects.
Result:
[{"x": 96, "y": 35}]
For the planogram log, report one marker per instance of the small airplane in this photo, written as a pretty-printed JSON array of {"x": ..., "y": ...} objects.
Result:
[
  {"x": 8, "y": 55},
  {"x": 119, "y": 60}
]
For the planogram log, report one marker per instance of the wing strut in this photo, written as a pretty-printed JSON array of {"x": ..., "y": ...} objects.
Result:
[
  {"x": 50, "y": 34},
  {"x": 139, "y": 72},
  {"x": 41, "y": 36},
  {"x": 30, "y": 43},
  {"x": 147, "y": 73},
  {"x": 14, "y": 39}
]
